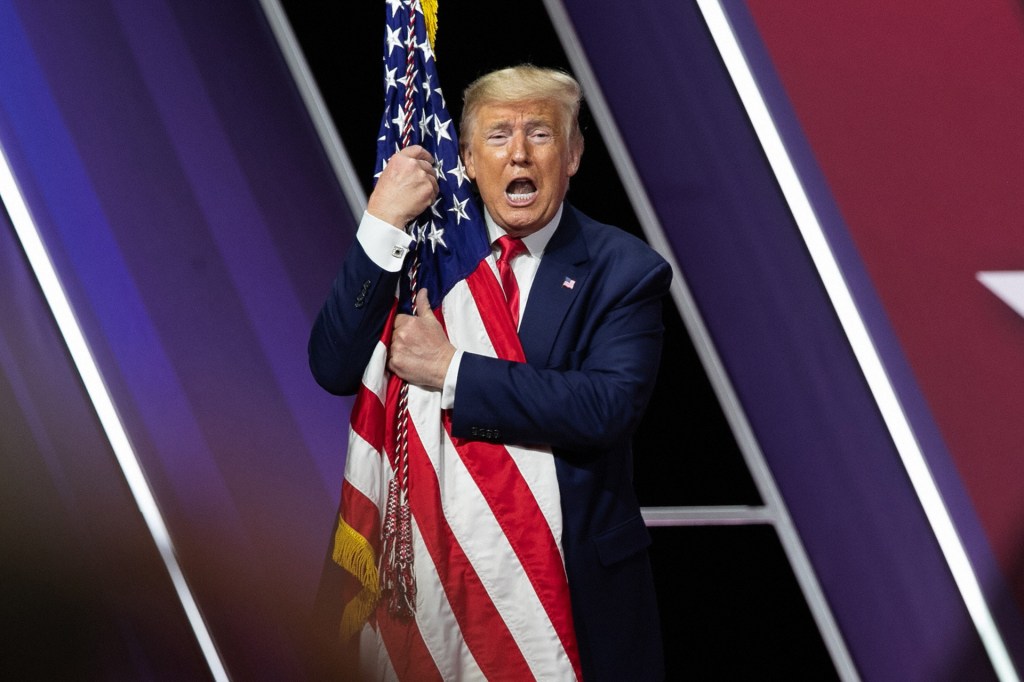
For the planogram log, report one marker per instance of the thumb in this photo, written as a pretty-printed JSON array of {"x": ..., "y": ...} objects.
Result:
[{"x": 423, "y": 304}]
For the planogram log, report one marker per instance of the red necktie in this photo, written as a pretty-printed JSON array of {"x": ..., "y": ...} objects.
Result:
[{"x": 510, "y": 248}]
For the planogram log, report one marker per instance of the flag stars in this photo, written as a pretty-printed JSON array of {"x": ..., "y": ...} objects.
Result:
[
  {"x": 459, "y": 172},
  {"x": 389, "y": 79},
  {"x": 435, "y": 237},
  {"x": 428, "y": 52},
  {"x": 459, "y": 209},
  {"x": 394, "y": 39},
  {"x": 441, "y": 129},
  {"x": 425, "y": 127},
  {"x": 399, "y": 121},
  {"x": 439, "y": 168},
  {"x": 395, "y": 5},
  {"x": 435, "y": 207}
]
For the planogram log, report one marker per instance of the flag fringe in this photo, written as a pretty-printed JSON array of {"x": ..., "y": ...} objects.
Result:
[
  {"x": 357, "y": 612},
  {"x": 355, "y": 554},
  {"x": 429, "y": 8}
]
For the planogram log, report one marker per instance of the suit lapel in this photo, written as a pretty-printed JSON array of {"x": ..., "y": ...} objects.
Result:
[{"x": 562, "y": 274}]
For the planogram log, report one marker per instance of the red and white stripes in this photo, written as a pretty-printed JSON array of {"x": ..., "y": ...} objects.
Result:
[{"x": 492, "y": 597}]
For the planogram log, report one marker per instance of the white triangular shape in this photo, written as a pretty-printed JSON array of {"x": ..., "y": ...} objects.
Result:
[{"x": 1007, "y": 285}]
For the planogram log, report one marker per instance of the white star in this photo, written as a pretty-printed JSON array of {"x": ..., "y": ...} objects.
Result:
[
  {"x": 394, "y": 5},
  {"x": 421, "y": 231},
  {"x": 428, "y": 53},
  {"x": 459, "y": 209},
  {"x": 439, "y": 168},
  {"x": 399, "y": 121},
  {"x": 459, "y": 172},
  {"x": 1008, "y": 286},
  {"x": 441, "y": 129},
  {"x": 441, "y": 95},
  {"x": 426, "y": 87},
  {"x": 434, "y": 207},
  {"x": 435, "y": 236},
  {"x": 394, "y": 39},
  {"x": 389, "y": 78},
  {"x": 425, "y": 128}
]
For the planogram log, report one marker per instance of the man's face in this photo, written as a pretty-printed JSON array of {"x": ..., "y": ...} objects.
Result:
[{"x": 521, "y": 160}]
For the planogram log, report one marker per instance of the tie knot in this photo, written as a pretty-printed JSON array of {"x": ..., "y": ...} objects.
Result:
[{"x": 510, "y": 248}]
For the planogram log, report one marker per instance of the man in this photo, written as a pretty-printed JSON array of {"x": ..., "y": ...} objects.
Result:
[{"x": 589, "y": 320}]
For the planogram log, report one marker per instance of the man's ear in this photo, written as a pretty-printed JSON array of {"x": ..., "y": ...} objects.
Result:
[
  {"x": 467, "y": 161},
  {"x": 575, "y": 154}
]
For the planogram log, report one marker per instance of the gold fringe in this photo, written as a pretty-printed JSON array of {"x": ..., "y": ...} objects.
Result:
[
  {"x": 357, "y": 612},
  {"x": 430, "y": 15},
  {"x": 353, "y": 553}
]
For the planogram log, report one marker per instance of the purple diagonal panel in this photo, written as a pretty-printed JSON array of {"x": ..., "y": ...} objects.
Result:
[
  {"x": 774, "y": 328},
  {"x": 195, "y": 224}
]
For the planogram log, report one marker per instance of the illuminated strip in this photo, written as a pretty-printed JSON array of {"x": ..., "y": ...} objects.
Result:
[
  {"x": 41, "y": 264},
  {"x": 856, "y": 331},
  {"x": 774, "y": 510},
  {"x": 708, "y": 516},
  {"x": 318, "y": 112}
]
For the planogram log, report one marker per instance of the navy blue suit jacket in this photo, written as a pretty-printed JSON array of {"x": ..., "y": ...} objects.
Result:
[{"x": 592, "y": 354}]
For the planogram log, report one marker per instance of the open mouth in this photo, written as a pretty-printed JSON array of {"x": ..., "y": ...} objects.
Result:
[{"x": 520, "y": 192}]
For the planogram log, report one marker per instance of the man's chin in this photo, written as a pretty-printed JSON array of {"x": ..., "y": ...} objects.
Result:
[{"x": 519, "y": 222}]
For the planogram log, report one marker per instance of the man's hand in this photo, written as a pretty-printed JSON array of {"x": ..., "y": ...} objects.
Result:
[
  {"x": 420, "y": 351},
  {"x": 406, "y": 188}
]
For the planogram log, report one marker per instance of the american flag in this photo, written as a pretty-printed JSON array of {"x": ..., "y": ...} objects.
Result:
[{"x": 491, "y": 599}]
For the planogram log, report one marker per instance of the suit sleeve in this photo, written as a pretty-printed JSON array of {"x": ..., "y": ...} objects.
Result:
[
  {"x": 595, "y": 401},
  {"x": 350, "y": 322}
]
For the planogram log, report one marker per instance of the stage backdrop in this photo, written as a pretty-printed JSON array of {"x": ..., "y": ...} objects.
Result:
[{"x": 195, "y": 222}]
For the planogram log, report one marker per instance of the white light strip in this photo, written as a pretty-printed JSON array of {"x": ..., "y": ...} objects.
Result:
[
  {"x": 41, "y": 264},
  {"x": 856, "y": 330},
  {"x": 318, "y": 112},
  {"x": 774, "y": 506},
  {"x": 707, "y": 516}
]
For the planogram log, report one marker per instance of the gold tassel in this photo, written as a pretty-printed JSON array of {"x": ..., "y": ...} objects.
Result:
[
  {"x": 356, "y": 613},
  {"x": 353, "y": 553},
  {"x": 430, "y": 15}
]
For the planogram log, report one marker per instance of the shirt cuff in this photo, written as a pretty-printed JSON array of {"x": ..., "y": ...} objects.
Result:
[
  {"x": 448, "y": 390},
  {"x": 385, "y": 244}
]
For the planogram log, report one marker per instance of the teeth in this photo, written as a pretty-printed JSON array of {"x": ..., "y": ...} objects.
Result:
[{"x": 523, "y": 197}]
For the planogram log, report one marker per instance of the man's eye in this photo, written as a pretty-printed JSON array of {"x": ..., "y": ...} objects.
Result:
[
  {"x": 497, "y": 138},
  {"x": 541, "y": 136}
]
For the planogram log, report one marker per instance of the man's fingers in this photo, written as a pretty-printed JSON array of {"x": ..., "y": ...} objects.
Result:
[
  {"x": 406, "y": 187},
  {"x": 415, "y": 151}
]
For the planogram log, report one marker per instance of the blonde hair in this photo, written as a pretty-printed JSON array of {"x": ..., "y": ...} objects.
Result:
[{"x": 524, "y": 83}]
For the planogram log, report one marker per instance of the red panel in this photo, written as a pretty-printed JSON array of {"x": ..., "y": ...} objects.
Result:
[{"x": 915, "y": 113}]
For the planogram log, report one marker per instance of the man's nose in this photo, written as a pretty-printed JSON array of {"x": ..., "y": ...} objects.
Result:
[{"x": 520, "y": 150}]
